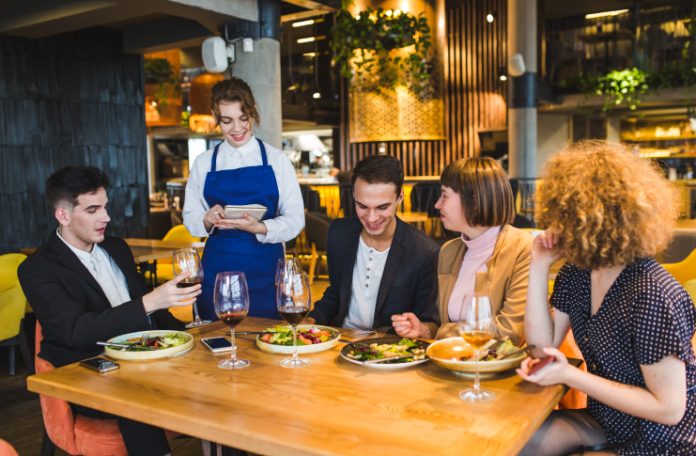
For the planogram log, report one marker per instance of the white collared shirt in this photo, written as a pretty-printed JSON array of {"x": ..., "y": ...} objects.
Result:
[
  {"x": 283, "y": 226},
  {"x": 367, "y": 275},
  {"x": 105, "y": 271}
]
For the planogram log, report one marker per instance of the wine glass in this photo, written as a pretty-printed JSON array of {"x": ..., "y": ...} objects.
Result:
[
  {"x": 231, "y": 299},
  {"x": 283, "y": 265},
  {"x": 477, "y": 328},
  {"x": 293, "y": 299},
  {"x": 187, "y": 260}
]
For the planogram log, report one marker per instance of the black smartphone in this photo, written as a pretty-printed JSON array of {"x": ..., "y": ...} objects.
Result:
[
  {"x": 217, "y": 344},
  {"x": 99, "y": 364}
]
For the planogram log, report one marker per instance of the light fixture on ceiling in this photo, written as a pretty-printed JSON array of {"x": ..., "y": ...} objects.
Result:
[
  {"x": 490, "y": 18},
  {"x": 316, "y": 95},
  {"x": 502, "y": 74},
  {"x": 308, "y": 39},
  {"x": 606, "y": 14},
  {"x": 303, "y": 23}
]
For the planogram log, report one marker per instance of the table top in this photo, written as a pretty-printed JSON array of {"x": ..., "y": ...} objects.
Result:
[{"x": 330, "y": 407}]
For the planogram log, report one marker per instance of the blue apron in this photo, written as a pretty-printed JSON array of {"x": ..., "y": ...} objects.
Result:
[{"x": 237, "y": 250}]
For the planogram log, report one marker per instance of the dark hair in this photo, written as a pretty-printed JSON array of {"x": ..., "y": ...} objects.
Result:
[
  {"x": 383, "y": 169},
  {"x": 484, "y": 189},
  {"x": 66, "y": 184},
  {"x": 234, "y": 89}
]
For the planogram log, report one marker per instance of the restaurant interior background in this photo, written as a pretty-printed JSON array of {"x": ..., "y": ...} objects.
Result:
[{"x": 124, "y": 88}]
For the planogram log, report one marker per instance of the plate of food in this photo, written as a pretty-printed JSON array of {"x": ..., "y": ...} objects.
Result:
[
  {"x": 310, "y": 339},
  {"x": 456, "y": 355},
  {"x": 386, "y": 353},
  {"x": 149, "y": 345}
]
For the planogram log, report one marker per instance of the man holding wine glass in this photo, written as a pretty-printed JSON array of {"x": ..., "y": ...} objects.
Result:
[
  {"x": 84, "y": 288},
  {"x": 379, "y": 266}
]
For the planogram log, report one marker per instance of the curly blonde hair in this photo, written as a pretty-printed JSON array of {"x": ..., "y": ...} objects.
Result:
[{"x": 609, "y": 206}]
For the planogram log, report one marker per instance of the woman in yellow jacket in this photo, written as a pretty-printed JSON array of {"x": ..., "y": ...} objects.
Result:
[{"x": 476, "y": 200}]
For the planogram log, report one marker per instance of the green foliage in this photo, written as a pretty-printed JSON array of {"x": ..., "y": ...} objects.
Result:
[
  {"x": 370, "y": 39},
  {"x": 158, "y": 71},
  {"x": 622, "y": 87}
]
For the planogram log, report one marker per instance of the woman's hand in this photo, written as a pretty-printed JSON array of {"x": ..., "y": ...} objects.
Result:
[
  {"x": 169, "y": 295},
  {"x": 545, "y": 248},
  {"x": 552, "y": 374},
  {"x": 214, "y": 215},
  {"x": 244, "y": 223},
  {"x": 408, "y": 325}
]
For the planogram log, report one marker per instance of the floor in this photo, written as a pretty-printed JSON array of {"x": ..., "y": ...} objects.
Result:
[{"x": 21, "y": 423}]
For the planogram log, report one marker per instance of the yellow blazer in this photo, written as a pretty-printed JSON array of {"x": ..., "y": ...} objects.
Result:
[{"x": 508, "y": 271}]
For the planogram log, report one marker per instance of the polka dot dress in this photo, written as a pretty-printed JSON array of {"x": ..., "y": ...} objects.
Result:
[{"x": 646, "y": 316}]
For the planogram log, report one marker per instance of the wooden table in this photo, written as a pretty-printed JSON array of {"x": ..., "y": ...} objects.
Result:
[
  {"x": 145, "y": 250},
  {"x": 330, "y": 407}
]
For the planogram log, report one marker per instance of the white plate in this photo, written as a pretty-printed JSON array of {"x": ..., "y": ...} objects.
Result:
[
  {"x": 255, "y": 210},
  {"x": 384, "y": 365},
  {"x": 301, "y": 349},
  {"x": 150, "y": 354}
]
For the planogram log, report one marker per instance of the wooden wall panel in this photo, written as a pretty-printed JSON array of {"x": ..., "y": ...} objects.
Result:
[
  {"x": 74, "y": 99},
  {"x": 475, "y": 99}
]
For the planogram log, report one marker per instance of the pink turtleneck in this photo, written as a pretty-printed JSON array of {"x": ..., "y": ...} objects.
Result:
[{"x": 478, "y": 251}]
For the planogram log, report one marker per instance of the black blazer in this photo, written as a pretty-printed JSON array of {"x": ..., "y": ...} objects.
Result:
[
  {"x": 72, "y": 308},
  {"x": 409, "y": 281}
]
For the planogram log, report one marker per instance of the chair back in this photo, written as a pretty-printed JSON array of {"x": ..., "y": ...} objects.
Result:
[
  {"x": 75, "y": 435},
  {"x": 424, "y": 195},
  {"x": 345, "y": 194},
  {"x": 311, "y": 199},
  {"x": 14, "y": 303},
  {"x": 684, "y": 270},
  {"x": 179, "y": 233},
  {"x": 317, "y": 229}
]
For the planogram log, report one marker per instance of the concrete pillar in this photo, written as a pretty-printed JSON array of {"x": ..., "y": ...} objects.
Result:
[
  {"x": 522, "y": 103},
  {"x": 261, "y": 70}
]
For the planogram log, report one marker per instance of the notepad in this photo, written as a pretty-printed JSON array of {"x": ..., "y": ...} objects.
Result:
[{"x": 255, "y": 210}]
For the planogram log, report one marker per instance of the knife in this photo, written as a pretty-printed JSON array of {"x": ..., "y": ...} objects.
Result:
[
  {"x": 391, "y": 358},
  {"x": 120, "y": 345},
  {"x": 251, "y": 333}
]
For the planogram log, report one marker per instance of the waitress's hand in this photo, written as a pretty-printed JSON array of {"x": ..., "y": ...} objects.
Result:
[
  {"x": 214, "y": 215},
  {"x": 244, "y": 223}
]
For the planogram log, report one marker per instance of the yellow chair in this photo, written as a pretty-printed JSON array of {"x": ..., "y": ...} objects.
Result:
[
  {"x": 165, "y": 272},
  {"x": 13, "y": 305},
  {"x": 684, "y": 270}
]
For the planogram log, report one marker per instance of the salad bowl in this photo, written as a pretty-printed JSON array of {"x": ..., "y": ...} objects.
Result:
[
  {"x": 448, "y": 353},
  {"x": 149, "y": 345},
  {"x": 386, "y": 353},
  {"x": 310, "y": 339}
]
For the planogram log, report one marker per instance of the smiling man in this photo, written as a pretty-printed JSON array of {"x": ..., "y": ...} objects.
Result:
[
  {"x": 379, "y": 266},
  {"x": 84, "y": 288}
]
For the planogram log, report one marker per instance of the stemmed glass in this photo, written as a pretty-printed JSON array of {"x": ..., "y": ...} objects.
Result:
[
  {"x": 231, "y": 299},
  {"x": 284, "y": 265},
  {"x": 477, "y": 328},
  {"x": 187, "y": 260},
  {"x": 293, "y": 300}
]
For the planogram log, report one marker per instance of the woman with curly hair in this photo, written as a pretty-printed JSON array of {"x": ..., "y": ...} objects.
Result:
[
  {"x": 476, "y": 200},
  {"x": 607, "y": 212}
]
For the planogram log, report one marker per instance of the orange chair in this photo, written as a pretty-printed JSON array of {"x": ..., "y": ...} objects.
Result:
[
  {"x": 573, "y": 399},
  {"x": 76, "y": 435},
  {"x": 6, "y": 449},
  {"x": 684, "y": 270}
]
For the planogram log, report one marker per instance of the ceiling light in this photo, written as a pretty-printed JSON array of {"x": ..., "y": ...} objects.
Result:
[
  {"x": 308, "y": 39},
  {"x": 310, "y": 54},
  {"x": 303, "y": 23},
  {"x": 490, "y": 18},
  {"x": 316, "y": 95},
  {"x": 605, "y": 14},
  {"x": 503, "y": 77}
]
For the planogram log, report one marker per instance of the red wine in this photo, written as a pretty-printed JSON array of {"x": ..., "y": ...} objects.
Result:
[
  {"x": 294, "y": 315},
  {"x": 188, "y": 283},
  {"x": 232, "y": 319}
]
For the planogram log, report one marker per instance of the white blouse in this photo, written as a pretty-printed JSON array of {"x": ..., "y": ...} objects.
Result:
[{"x": 289, "y": 220}]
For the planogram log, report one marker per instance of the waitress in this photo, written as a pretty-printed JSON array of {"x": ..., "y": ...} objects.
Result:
[{"x": 242, "y": 170}]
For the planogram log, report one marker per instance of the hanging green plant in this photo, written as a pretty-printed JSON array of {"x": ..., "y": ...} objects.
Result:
[
  {"x": 380, "y": 50},
  {"x": 622, "y": 87}
]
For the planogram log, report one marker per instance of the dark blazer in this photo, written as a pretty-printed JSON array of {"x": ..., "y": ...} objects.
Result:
[
  {"x": 409, "y": 281},
  {"x": 72, "y": 308}
]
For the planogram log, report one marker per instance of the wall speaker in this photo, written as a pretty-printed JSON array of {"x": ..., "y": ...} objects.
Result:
[
  {"x": 215, "y": 56},
  {"x": 516, "y": 66}
]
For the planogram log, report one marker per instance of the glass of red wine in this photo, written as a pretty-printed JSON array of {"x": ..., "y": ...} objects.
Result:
[
  {"x": 187, "y": 260},
  {"x": 293, "y": 300},
  {"x": 231, "y": 299}
]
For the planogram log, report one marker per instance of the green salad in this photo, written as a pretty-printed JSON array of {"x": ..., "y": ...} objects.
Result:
[
  {"x": 282, "y": 335},
  {"x": 148, "y": 343},
  {"x": 406, "y": 350}
]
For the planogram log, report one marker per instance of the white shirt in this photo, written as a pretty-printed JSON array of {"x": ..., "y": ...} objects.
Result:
[
  {"x": 289, "y": 220},
  {"x": 105, "y": 271},
  {"x": 367, "y": 275}
]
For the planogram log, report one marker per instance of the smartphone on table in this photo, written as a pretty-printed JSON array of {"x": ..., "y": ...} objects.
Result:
[
  {"x": 217, "y": 344},
  {"x": 99, "y": 364}
]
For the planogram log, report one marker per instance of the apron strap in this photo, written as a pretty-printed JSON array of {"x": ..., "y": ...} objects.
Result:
[
  {"x": 263, "y": 152},
  {"x": 213, "y": 163}
]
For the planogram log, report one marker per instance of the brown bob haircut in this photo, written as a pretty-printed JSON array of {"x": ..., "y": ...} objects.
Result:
[
  {"x": 484, "y": 189},
  {"x": 235, "y": 89},
  {"x": 380, "y": 169}
]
